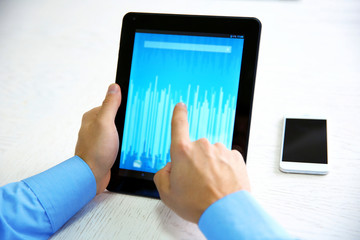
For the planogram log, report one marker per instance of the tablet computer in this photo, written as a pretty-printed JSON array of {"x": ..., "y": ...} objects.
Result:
[{"x": 207, "y": 62}]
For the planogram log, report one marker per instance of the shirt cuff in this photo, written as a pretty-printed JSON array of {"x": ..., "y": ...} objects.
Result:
[
  {"x": 64, "y": 189},
  {"x": 239, "y": 216}
]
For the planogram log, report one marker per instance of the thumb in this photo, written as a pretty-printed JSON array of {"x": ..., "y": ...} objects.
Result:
[
  {"x": 162, "y": 179},
  {"x": 111, "y": 102}
]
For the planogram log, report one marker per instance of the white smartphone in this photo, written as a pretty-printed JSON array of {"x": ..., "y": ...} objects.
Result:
[{"x": 304, "y": 146}]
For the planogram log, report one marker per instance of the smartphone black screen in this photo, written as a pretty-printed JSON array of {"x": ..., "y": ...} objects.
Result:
[{"x": 305, "y": 140}]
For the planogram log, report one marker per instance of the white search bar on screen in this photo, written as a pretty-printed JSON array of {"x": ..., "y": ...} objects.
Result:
[{"x": 188, "y": 46}]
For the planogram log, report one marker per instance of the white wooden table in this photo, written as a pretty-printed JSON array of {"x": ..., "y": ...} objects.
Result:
[{"x": 57, "y": 59}]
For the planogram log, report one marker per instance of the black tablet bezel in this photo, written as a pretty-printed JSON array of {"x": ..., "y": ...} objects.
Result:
[{"x": 141, "y": 183}]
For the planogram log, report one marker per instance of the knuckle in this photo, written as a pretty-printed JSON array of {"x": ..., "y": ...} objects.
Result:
[
  {"x": 89, "y": 115},
  {"x": 183, "y": 146},
  {"x": 220, "y": 146},
  {"x": 236, "y": 155},
  {"x": 158, "y": 183},
  {"x": 156, "y": 179},
  {"x": 99, "y": 123},
  {"x": 180, "y": 147},
  {"x": 206, "y": 146},
  {"x": 85, "y": 116},
  {"x": 204, "y": 142}
]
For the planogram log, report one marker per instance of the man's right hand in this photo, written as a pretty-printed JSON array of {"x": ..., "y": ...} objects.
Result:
[{"x": 200, "y": 173}]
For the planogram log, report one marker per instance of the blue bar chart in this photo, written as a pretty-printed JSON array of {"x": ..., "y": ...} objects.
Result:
[
  {"x": 202, "y": 72},
  {"x": 147, "y": 135}
]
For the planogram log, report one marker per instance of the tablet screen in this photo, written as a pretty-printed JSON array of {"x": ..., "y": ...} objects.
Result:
[{"x": 201, "y": 70}]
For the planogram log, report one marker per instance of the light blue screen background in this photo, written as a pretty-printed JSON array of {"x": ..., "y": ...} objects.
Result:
[{"x": 205, "y": 78}]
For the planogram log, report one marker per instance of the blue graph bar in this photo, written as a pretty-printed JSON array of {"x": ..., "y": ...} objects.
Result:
[
  {"x": 206, "y": 81},
  {"x": 147, "y": 132}
]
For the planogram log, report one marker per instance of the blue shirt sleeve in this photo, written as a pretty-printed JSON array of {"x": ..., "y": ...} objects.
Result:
[
  {"x": 239, "y": 216},
  {"x": 38, "y": 206}
]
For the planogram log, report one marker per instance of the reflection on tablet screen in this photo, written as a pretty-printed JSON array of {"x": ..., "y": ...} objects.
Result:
[{"x": 200, "y": 70}]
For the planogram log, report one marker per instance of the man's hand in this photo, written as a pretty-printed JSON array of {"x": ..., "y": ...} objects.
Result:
[
  {"x": 200, "y": 173},
  {"x": 98, "y": 141}
]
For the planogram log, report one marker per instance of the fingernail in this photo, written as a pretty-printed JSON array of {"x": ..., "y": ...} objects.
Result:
[
  {"x": 112, "y": 89},
  {"x": 181, "y": 104}
]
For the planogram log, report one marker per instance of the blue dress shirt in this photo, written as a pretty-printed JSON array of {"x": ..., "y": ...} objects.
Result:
[
  {"x": 38, "y": 206},
  {"x": 239, "y": 216}
]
